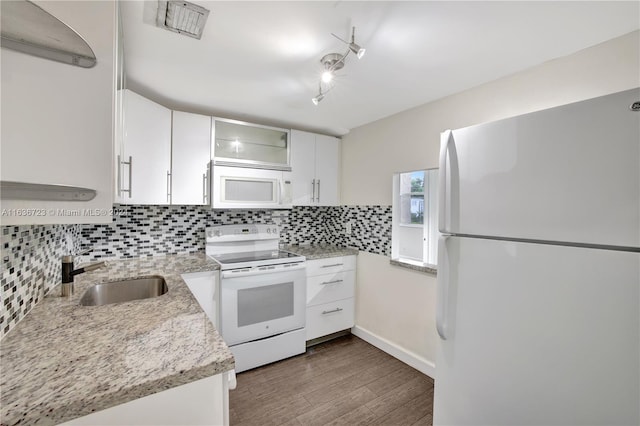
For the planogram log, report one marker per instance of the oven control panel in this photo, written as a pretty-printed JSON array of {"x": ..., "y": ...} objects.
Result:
[{"x": 242, "y": 232}]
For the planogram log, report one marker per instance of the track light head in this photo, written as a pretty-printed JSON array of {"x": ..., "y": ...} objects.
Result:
[
  {"x": 359, "y": 51},
  {"x": 319, "y": 96},
  {"x": 355, "y": 48},
  {"x": 317, "y": 99}
]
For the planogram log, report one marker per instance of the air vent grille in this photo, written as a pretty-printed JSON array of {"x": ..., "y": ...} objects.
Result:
[{"x": 182, "y": 17}]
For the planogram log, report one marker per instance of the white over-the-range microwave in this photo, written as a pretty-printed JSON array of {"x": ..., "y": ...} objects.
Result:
[{"x": 249, "y": 188}]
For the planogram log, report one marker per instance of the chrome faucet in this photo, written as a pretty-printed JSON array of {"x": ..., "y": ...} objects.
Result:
[{"x": 68, "y": 272}]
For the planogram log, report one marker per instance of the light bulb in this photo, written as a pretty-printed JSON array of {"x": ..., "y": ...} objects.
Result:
[
  {"x": 327, "y": 76},
  {"x": 359, "y": 51},
  {"x": 317, "y": 99}
]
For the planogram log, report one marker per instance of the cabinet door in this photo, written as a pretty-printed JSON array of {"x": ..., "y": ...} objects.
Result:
[
  {"x": 327, "y": 170},
  {"x": 330, "y": 318},
  {"x": 190, "y": 156},
  {"x": 302, "y": 167},
  {"x": 147, "y": 140}
]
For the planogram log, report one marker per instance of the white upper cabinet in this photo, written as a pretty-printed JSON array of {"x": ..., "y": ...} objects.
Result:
[
  {"x": 327, "y": 170},
  {"x": 237, "y": 143},
  {"x": 190, "y": 157},
  {"x": 303, "y": 159},
  {"x": 315, "y": 163},
  {"x": 144, "y": 169},
  {"x": 58, "y": 121}
]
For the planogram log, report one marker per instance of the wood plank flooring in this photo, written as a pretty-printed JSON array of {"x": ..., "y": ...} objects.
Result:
[{"x": 342, "y": 382}]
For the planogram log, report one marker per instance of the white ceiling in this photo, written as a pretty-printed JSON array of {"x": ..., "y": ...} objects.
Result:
[{"x": 260, "y": 61}]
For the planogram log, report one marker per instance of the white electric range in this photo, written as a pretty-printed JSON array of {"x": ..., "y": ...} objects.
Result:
[{"x": 262, "y": 294}]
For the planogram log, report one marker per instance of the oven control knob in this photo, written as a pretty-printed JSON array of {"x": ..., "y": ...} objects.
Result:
[
  {"x": 217, "y": 233},
  {"x": 275, "y": 230},
  {"x": 268, "y": 230}
]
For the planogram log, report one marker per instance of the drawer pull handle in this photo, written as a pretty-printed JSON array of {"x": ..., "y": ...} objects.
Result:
[
  {"x": 332, "y": 311},
  {"x": 331, "y": 282},
  {"x": 331, "y": 266}
]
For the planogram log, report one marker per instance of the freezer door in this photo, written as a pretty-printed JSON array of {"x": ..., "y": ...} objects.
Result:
[
  {"x": 569, "y": 174},
  {"x": 538, "y": 335}
]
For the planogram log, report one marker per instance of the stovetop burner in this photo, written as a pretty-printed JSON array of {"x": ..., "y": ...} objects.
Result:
[{"x": 254, "y": 256}]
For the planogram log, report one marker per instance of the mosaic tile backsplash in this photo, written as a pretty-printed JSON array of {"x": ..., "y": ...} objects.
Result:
[
  {"x": 31, "y": 254},
  {"x": 31, "y": 266},
  {"x": 370, "y": 228}
]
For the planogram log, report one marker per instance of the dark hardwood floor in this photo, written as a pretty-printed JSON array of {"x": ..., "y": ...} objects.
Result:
[{"x": 342, "y": 382}]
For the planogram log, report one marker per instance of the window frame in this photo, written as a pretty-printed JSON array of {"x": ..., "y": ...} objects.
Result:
[{"x": 429, "y": 226}]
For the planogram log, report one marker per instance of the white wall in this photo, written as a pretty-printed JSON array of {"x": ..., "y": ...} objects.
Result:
[
  {"x": 396, "y": 304},
  {"x": 57, "y": 119}
]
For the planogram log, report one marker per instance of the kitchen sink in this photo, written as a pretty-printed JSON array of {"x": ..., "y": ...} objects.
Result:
[{"x": 124, "y": 291}]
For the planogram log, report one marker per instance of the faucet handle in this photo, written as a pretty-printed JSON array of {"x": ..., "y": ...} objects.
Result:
[
  {"x": 85, "y": 251},
  {"x": 69, "y": 258}
]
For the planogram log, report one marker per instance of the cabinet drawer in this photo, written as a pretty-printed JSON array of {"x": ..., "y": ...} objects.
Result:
[
  {"x": 330, "y": 287},
  {"x": 330, "y": 265},
  {"x": 329, "y": 318}
]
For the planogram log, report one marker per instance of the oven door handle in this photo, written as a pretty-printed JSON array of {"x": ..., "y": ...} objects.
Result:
[{"x": 257, "y": 271}]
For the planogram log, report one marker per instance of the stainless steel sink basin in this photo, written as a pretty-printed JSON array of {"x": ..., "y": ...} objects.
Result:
[{"x": 124, "y": 291}]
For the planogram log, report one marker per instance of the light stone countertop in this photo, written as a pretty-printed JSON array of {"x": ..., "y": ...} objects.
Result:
[
  {"x": 320, "y": 251},
  {"x": 430, "y": 269},
  {"x": 64, "y": 361}
]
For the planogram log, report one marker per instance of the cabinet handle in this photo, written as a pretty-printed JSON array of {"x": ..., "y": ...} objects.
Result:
[
  {"x": 331, "y": 282},
  {"x": 318, "y": 199},
  {"x": 130, "y": 164},
  {"x": 168, "y": 186},
  {"x": 119, "y": 189},
  {"x": 332, "y": 265},
  {"x": 332, "y": 311},
  {"x": 313, "y": 190},
  {"x": 204, "y": 188}
]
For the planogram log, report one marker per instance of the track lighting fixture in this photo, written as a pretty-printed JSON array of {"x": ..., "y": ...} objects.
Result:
[{"x": 333, "y": 62}]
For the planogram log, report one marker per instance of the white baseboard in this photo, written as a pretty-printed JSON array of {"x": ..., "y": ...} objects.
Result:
[{"x": 410, "y": 358}]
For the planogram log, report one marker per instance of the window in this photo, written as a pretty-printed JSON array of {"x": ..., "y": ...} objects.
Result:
[
  {"x": 412, "y": 198},
  {"x": 414, "y": 230}
]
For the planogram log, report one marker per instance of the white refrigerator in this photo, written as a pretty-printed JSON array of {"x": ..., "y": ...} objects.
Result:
[{"x": 539, "y": 268}]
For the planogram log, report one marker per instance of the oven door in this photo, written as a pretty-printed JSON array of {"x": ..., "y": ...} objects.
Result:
[{"x": 260, "y": 303}]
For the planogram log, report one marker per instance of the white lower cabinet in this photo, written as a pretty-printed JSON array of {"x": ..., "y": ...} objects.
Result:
[
  {"x": 330, "y": 295},
  {"x": 203, "y": 402},
  {"x": 329, "y": 318}
]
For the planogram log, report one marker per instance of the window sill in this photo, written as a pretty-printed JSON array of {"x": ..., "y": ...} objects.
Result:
[
  {"x": 415, "y": 266},
  {"x": 411, "y": 225}
]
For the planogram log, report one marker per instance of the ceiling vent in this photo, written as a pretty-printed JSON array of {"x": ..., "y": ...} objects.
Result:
[{"x": 182, "y": 17}]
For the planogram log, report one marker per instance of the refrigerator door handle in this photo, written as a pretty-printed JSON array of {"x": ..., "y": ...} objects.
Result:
[
  {"x": 442, "y": 289},
  {"x": 445, "y": 138}
]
